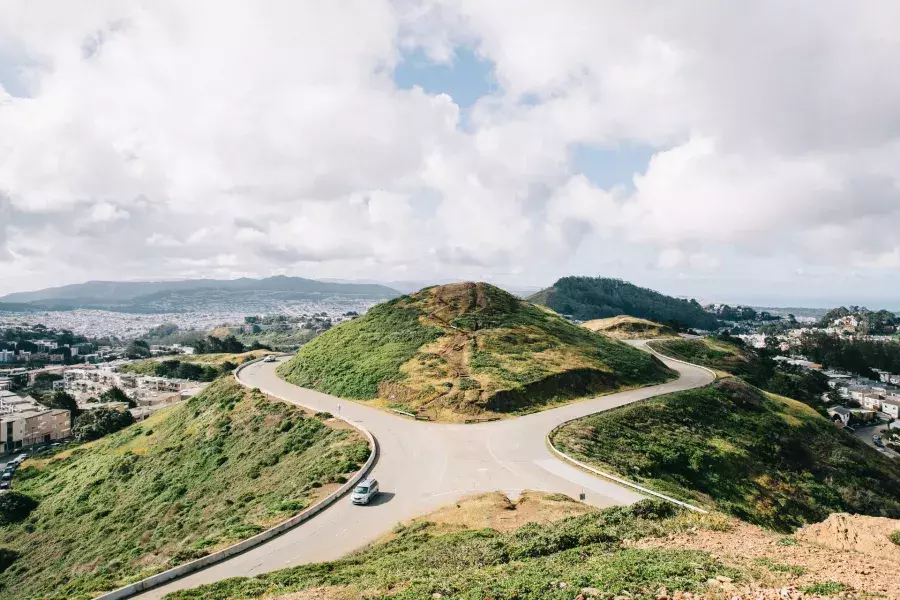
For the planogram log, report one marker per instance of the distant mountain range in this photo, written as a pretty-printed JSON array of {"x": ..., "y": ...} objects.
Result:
[{"x": 177, "y": 296}]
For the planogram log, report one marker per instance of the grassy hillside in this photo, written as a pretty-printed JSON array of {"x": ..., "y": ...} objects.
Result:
[
  {"x": 710, "y": 352},
  {"x": 467, "y": 350},
  {"x": 756, "y": 367},
  {"x": 548, "y": 561},
  {"x": 764, "y": 458},
  {"x": 191, "y": 479},
  {"x": 629, "y": 328},
  {"x": 586, "y": 298}
]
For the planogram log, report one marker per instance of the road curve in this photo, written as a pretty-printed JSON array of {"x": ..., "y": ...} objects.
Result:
[{"x": 422, "y": 466}]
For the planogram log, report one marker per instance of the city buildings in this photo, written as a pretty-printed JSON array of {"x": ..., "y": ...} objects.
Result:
[{"x": 25, "y": 423}]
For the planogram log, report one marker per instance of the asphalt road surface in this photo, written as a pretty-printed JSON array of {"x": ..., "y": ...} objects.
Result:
[
  {"x": 866, "y": 433},
  {"x": 423, "y": 466}
]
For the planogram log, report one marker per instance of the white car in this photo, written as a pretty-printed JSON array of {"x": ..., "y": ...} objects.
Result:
[
  {"x": 364, "y": 492},
  {"x": 269, "y": 358}
]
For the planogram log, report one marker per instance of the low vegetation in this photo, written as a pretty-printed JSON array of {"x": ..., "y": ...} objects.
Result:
[
  {"x": 536, "y": 561},
  {"x": 586, "y": 298},
  {"x": 629, "y": 328},
  {"x": 94, "y": 424},
  {"x": 763, "y": 458},
  {"x": 467, "y": 350},
  {"x": 755, "y": 366},
  {"x": 195, "y": 367},
  {"x": 190, "y": 480}
]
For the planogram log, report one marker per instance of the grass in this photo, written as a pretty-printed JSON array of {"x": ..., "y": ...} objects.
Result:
[
  {"x": 148, "y": 366},
  {"x": 467, "y": 350},
  {"x": 546, "y": 561},
  {"x": 780, "y": 567},
  {"x": 763, "y": 458},
  {"x": 709, "y": 352},
  {"x": 756, "y": 367},
  {"x": 192, "y": 479},
  {"x": 624, "y": 327},
  {"x": 826, "y": 588}
]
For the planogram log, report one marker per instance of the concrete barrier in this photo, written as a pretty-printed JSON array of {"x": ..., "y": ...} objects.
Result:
[
  {"x": 260, "y": 538},
  {"x": 565, "y": 457},
  {"x": 559, "y": 454}
]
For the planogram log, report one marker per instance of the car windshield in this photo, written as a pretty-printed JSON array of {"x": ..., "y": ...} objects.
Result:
[{"x": 361, "y": 489}]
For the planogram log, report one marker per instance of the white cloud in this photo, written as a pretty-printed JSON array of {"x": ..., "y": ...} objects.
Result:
[{"x": 249, "y": 139}]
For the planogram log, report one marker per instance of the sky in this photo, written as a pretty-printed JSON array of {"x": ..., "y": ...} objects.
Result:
[{"x": 743, "y": 152}]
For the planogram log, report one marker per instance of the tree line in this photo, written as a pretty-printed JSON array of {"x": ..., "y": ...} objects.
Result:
[{"x": 854, "y": 355}]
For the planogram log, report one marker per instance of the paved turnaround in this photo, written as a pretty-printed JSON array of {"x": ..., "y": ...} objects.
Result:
[{"x": 422, "y": 466}]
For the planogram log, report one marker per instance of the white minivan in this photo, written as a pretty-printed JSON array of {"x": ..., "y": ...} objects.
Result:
[{"x": 364, "y": 491}]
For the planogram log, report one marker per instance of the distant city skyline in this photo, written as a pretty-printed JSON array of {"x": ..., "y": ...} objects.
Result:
[{"x": 427, "y": 140}]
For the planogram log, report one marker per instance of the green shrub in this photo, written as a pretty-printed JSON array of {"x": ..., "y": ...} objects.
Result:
[
  {"x": 94, "y": 424},
  {"x": 895, "y": 537},
  {"x": 7, "y": 558},
  {"x": 826, "y": 588},
  {"x": 15, "y": 507}
]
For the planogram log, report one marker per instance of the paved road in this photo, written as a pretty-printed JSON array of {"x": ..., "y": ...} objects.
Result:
[
  {"x": 866, "y": 433},
  {"x": 423, "y": 466}
]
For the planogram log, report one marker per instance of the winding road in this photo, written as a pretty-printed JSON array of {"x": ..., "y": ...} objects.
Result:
[{"x": 422, "y": 466}]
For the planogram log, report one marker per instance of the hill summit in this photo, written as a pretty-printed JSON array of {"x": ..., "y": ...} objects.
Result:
[
  {"x": 467, "y": 350},
  {"x": 586, "y": 298}
]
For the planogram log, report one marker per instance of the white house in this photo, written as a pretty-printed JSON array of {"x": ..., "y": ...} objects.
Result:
[
  {"x": 871, "y": 401},
  {"x": 891, "y": 407},
  {"x": 840, "y": 413}
]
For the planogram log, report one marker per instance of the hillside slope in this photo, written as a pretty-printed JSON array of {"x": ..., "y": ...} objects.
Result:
[
  {"x": 756, "y": 367},
  {"x": 191, "y": 479},
  {"x": 467, "y": 350},
  {"x": 766, "y": 459},
  {"x": 549, "y": 547},
  {"x": 586, "y": 298},
  {"x": 629, "y": 328}
]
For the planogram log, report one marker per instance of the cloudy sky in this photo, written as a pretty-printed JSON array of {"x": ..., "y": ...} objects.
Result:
[{"x": 735, "y": 151}]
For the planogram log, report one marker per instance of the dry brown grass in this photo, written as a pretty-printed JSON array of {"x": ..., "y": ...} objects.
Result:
[
  {"x": 494, "y": 510},
  {"x": 624, "y": 327}
]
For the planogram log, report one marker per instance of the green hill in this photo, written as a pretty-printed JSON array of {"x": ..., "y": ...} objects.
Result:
[
  {"x": 766, "y": 459},
  {"x": 467, "y": 350},
  {"x": 586, "y": 298},
  {"x": 188, "y": 481}
]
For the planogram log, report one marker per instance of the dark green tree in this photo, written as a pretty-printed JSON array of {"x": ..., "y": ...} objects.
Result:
[
  {"x": 63, "y": 400},
  {"x": 115, "y": 394},
  {"x": 97, "y": 423}
]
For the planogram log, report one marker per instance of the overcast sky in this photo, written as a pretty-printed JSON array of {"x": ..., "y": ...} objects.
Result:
[{"x": 736, "y": 151}]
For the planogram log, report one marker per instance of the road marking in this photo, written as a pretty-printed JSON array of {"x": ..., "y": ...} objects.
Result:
[{"x": 595, "y": 484}]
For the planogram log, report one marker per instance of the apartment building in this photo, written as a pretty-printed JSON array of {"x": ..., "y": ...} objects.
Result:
[{"x": 25, "y": 423}]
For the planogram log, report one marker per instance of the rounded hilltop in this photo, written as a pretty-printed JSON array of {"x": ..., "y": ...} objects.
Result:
[
  {"x": 625, "y": 327},
  {"x": 467, "y": 350}
]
